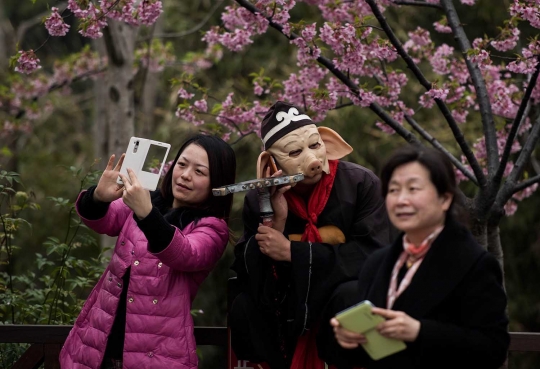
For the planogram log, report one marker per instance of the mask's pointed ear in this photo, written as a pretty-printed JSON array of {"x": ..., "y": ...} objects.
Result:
[
  {"x": 336, "y": 147},
  {"x": 264, "y": 161}
]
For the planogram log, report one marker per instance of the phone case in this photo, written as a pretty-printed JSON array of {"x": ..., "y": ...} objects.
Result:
[
  {"x": 358, "y": 318},
  {"x": 146, "y": 158}
]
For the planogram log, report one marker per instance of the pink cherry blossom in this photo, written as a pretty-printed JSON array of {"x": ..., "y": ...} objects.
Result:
[
  {"x": 441, "y": 27},
  {"x": 91, "y": 22},
  {"x": 385, "y": 128},
  {"x": 201, "y": 105},
  {"x": 418, "y": 39},
  {"x": 508, "y": 41},
  {"x": 27, "y": 62},
  {"x": 527, "y": 192},
  {"x": 183, "y": 94},
  {"x": 55, "y": 24},
  {"x": 257, "y": 89},
  {"x": 438, "y": 93},
  {"x": 149, "y": 11},
  {"x": 510, "y": 208},
  {"x": 440, "y": 59}
]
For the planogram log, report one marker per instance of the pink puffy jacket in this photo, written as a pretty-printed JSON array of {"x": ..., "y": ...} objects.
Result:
[{"x": 159, "y": 327}]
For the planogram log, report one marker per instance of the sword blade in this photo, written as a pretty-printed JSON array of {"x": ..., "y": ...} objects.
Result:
[{"x": 257, "y": 183}]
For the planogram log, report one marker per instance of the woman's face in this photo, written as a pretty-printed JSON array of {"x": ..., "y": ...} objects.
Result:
[
  {"x": 191, "y": 177},
  {"x": 413, "y": 204}
]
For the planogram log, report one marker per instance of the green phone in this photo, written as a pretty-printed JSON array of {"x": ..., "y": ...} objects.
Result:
[{"x": 359, "y": 318}]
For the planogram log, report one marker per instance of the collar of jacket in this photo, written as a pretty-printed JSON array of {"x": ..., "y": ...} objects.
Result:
[
  {"x": 178, "y": 217},
  {"x": 453, "y": 253}
]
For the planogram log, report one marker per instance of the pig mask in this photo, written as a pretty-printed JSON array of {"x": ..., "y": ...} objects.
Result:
[{"x": 297, "y": 145}]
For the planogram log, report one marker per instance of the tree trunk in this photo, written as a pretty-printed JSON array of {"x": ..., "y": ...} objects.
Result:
[
  {"x": 149, "y": 86},
  {"x": 6, "y": 41},
  {"x": 488, "y": 236},
  {"x": 494, "y": 243},
  {"x": 100, "y": 131},
  {"x": 479, "y": 231},
  {"x": 115, "y": 117},
  {"x": 117, "y": 96}
]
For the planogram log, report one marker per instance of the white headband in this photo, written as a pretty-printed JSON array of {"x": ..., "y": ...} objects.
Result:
[{"x": 287, "y": 118}]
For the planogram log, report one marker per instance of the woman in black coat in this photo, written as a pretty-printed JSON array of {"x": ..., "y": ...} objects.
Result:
[{"x": 440, "y": 292}]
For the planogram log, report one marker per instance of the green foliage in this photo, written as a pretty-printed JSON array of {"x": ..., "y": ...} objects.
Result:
[
  {"x": 54, "y": 290},
  {"x": 10, "y": 352}
]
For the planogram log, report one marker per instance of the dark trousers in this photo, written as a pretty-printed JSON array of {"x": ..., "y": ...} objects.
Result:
[
  {"x": 109, "y": 363},
  {"x": 254, "y": 335}
]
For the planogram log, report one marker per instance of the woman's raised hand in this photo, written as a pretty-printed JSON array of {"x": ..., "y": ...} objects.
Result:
[
  {"x": 107, "y": 189},
  {"x": 135, "y": 195},
  {"x": 398, "y": 325},
  {"x": 346, "y": 338}
]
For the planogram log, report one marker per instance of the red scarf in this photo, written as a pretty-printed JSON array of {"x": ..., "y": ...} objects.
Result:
[
  {"x": 305, "y": 355},
  {"x": 317, "y": 202}
]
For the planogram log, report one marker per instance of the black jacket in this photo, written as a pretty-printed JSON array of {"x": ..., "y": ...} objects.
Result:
[
  {"x": 457, "y": 295},
  {"x": 356, "y": 207}
]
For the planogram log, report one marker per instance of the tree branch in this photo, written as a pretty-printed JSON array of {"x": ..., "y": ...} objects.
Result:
[
  {"x": 344, "y": 105},
  {"x": 526, "y": 152},
  {"x": 481, "y": 180},
  {"x": 327, "y": 63},
  {"x": 21, "y": 112},
  {"x": 520, "y": 116},
  {"x": 408, "y": 136},
  {"x": 230, "y": 121},
  {"x": 242, "y": 136},
  {"x": 510, "y": 185},
  {"x": 191, "y": 30},
  {"x": 417, "y": 3},
  {"x": 433, "y": 141},
  {"x": 524, "y": 184},
  {"x": 479, "y": 85}
]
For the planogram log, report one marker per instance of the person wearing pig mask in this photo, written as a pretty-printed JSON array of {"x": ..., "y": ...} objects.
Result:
[{"x": 321, "y": 232}]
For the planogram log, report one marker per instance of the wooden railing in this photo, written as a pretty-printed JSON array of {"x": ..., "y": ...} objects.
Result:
[{"x": 46, "y": 342}]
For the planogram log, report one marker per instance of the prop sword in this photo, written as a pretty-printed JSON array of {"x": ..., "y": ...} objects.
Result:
[{"x": 262, "y": 185}]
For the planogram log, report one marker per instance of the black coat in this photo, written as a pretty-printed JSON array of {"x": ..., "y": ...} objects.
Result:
[
  {"x": 457, "y": 295},
  {"x": 356, "y": 207}
]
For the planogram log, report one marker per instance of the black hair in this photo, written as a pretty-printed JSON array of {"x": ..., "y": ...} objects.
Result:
[
  {"x": 441, "y": 170},
  {"x": 222, "y": 167}
]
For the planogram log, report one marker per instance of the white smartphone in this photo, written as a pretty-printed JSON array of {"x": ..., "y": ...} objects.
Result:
[{"x": 146, "y": 158}]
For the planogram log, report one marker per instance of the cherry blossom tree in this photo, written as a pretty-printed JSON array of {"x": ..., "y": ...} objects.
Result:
[
  {"x": 354, "y": 56},
  {"x": 112, "y": 64}
]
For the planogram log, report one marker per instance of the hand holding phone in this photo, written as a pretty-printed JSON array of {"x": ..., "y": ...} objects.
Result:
[
  {"x": 136, "y": 197},
  {"x": 146, "y": 158}
]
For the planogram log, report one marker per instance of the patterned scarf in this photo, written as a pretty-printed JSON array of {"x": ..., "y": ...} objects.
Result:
[
  {"x": 413, "y": 255},
  {"x": 317, "y": 202}
]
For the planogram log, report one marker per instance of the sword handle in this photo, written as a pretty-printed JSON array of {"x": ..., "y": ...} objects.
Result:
[{"x": 265, "y": 206}]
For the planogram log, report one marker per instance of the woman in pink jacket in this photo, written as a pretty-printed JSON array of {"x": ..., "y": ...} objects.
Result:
[{"x": 138, "y": 314}]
